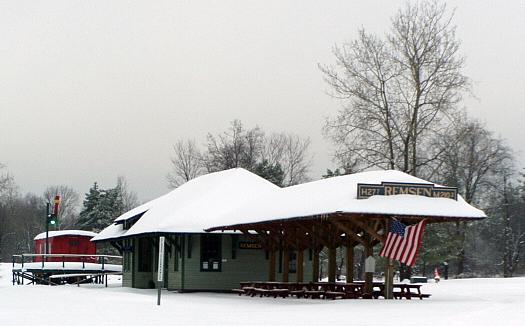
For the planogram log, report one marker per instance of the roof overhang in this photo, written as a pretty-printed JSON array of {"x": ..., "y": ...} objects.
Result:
[{"x": 339, "y": 214}]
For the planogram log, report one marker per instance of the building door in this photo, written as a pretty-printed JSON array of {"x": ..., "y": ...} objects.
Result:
[{"x": 211, "y": 252}]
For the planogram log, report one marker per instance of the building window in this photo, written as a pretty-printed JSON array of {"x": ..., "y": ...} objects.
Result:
[
  {"x": 211, "y": 253},
  {"x": 145, "y": 253}
]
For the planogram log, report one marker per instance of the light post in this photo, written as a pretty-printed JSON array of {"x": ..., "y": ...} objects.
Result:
[{"x": 51, "y": 219}]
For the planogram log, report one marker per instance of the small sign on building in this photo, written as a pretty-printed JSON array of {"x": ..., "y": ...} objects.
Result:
[
  {"x": 249, "y": 245},
  {"x": 370, "y": 265}
]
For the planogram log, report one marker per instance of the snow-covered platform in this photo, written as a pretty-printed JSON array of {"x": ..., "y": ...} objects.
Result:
[
  {"x": 68, "y": 267},
  {"x": 58, "y": 272}
]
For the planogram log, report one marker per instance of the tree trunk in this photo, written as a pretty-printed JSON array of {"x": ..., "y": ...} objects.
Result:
[
  {"x": 461, "y": 257},
  {"x": 507, "y": 235}
]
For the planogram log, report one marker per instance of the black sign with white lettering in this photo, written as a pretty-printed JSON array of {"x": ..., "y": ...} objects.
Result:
[{"x": 392, "y": 188}]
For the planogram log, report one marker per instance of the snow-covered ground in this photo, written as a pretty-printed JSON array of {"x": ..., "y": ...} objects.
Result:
[{"x": 453, "y": 302}]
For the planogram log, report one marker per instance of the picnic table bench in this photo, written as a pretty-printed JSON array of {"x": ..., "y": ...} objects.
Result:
[
  {"x": 405, "y": 291},
  {"x": 314, "y": 294},
  {"x": 334, "y": 294},
  {"x": 317, "y": 290},
  {"x": 283, "y": 293}
]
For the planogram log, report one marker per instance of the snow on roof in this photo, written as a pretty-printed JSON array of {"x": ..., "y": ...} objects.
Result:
[
  {"x": 115, "y": 230},
  {"x": 339, "y": 194},
  {"x": 237, "y": 196},
  {"x": 140, "y": 209},
  {"x": 65, "y": 232},
  {"x": 200, "y": 203}
]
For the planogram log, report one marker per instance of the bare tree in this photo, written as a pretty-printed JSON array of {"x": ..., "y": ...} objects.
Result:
[
  {"x": 8, "y": 195},
  {"x": 473, "y": 160},
  {"x": 297, "y": 160},
  {"x": 291, "y": 153},
  {"x": 282, "y": 158},
  {"x": 513, "y": 222},
  {"x": 400, "y": 92},
  {"x": 69, "y": 204},
  {"x": 234, "y": 148},
  {"x": 364, "y": 77},
  {"x": 7, "y": 184},
  {"x": 21, "y": 218},
  {"x": 186, "y": 163},
  {"x": 128, "y": 197}
]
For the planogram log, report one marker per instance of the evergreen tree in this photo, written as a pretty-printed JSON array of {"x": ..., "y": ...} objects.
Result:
[
  {"x": 273, "y": 173},
  {"x": 101, "y": 207},
  {"x": 87, "y": 216}
]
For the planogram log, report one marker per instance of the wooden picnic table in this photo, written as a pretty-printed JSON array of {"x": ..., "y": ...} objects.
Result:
[
  {"x": 405, "y": 291},
  {"x": 328, "y": 290},
  {"x": 314, "y": 290},
  {"x": 401, "y": 290}
]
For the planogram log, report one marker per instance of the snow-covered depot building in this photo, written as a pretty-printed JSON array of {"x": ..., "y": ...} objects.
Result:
[
  {"x": 194, "y": 259},
  {"x": 270, "y": 233}
]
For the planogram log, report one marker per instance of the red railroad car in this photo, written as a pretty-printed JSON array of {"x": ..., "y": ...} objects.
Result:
[{"x": 67, "y": 242}]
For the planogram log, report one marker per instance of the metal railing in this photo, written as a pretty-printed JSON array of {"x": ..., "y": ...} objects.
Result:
[{"x": 96, "y": 259}]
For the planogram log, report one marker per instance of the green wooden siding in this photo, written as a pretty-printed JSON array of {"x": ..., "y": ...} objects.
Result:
[{"x": 248, "y": 265}]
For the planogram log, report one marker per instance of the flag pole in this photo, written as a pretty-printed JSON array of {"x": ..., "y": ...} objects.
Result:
[{"x": 389, "y": 275}]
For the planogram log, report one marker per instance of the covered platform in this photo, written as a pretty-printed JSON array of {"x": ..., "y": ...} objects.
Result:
[{"x": 344, "y": 211}]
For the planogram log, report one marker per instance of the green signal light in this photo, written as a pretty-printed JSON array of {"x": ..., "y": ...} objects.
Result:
[{"x": 52, "y": 222}]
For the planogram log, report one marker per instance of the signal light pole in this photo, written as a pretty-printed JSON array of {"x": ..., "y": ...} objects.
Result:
[
  {"x": 48, "y": 218},
  {"x": 51, "y": 218}
]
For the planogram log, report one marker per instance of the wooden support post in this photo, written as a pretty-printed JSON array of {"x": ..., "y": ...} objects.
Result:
[
  {"x": 389, "y": 273},
  {"x": 369, "y": 277},
  {"x": 332, "y": 264},
  {"x": 315, "y": 266},
  {"x": 286, "y": 265},
  {"x": 271, "y": 266},
  {"x": 349, "y": 264},
  {"x": 389, "y": 280},
  {"x": 300, "y": 269}
]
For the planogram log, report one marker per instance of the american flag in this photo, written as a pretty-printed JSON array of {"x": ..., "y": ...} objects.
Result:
[{"x": 403, "y": 242}]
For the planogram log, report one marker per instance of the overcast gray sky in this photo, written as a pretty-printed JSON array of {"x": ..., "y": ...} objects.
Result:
[{"x": 90, "y": 90}]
